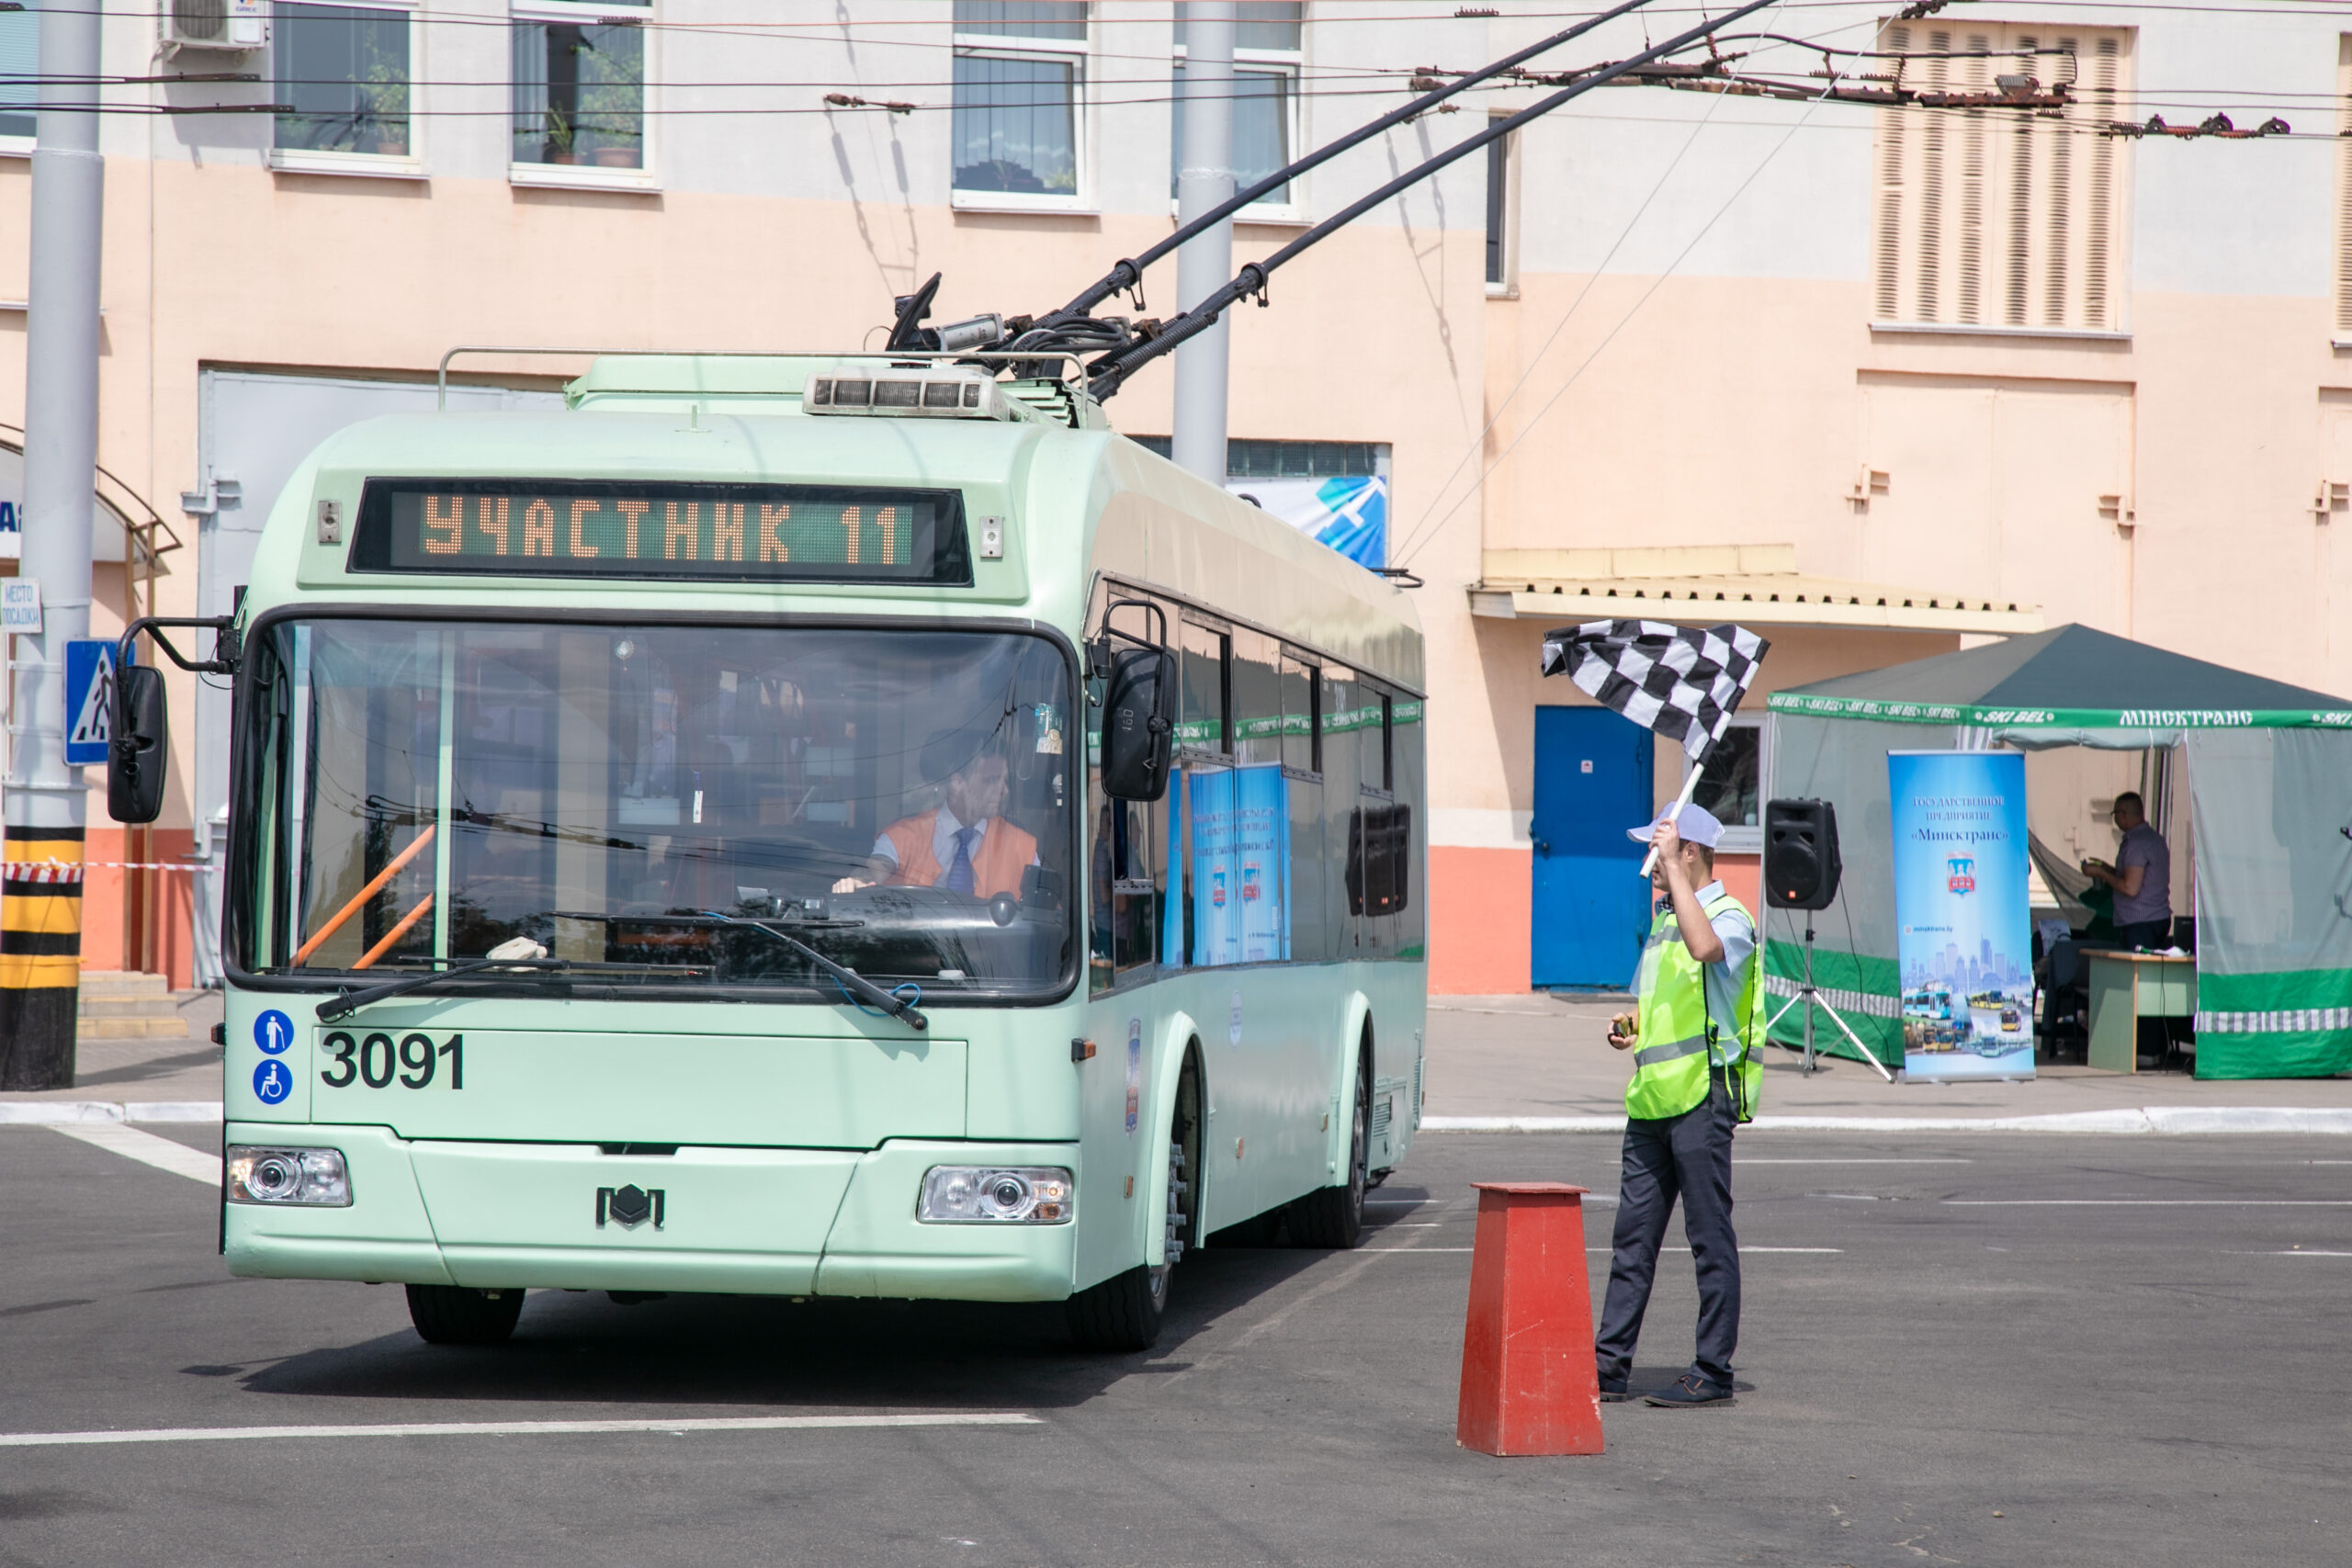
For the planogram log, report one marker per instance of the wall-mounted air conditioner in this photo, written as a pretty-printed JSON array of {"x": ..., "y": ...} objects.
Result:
[{"x": 229, "y": 25}]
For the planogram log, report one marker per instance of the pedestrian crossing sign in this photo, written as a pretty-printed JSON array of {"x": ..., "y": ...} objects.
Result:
[{"x": 90, "y": 700}]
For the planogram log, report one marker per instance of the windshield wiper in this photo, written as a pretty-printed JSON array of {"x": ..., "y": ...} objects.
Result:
[
  {"x": 849, "y": 979},
  {"x": 345, "y": 1002}
]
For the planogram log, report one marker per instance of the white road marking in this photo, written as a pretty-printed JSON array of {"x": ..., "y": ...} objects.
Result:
[
  {"x": 147, "y": 1149},
  {"x": 513, "y": 1428},
  {"x": 1744, "y": 1161},
  {"x": 2294, "y": 1252},
  {"x": 2149, "y": 1203}
]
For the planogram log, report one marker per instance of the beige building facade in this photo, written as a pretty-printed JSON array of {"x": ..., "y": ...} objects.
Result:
[{"x": 1870, "y": 379}]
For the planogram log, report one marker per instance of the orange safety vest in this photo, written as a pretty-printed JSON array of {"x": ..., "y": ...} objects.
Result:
[{"x": 1004, "y": 853}]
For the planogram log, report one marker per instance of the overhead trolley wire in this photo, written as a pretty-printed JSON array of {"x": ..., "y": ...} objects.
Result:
[
  {"x": 1411, "y": 538},
  {"x": 1109, "y": 372},
  {"x": 1426, "y": 533}
]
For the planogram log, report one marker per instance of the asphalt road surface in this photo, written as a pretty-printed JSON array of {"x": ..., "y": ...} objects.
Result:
[{"x": 1978, "y": 1349}]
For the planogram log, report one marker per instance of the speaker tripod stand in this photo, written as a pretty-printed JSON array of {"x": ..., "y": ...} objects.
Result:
[{"x": 1810, "y": 996}]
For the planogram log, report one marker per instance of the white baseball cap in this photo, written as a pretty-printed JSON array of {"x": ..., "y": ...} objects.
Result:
[{"x": 1695, "y": 823}]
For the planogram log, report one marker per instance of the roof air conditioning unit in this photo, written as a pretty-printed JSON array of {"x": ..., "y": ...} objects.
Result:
[{"x": 229, "y": 25}]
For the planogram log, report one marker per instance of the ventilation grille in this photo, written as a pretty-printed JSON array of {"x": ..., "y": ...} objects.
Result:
[
  {"x": 2007, "y": 217},
  {"x": 2343, "y": 190},
  {"x": 1382, "y": 1110}
]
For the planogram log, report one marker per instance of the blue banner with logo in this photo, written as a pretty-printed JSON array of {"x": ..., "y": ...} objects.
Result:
[{"x": 1960, "y": 911}]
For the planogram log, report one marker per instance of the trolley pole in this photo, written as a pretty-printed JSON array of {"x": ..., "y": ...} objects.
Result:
[
  {"x": 1204, "y": 177},
  {"x": 44, "y": 808}
]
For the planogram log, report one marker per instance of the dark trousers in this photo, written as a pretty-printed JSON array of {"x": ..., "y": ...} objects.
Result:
[
  {"x": 1686, "y": 1156},
  {"x": 2145, "y": 933}
]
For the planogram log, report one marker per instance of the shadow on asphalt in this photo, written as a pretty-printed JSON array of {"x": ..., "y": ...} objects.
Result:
[{"x": 769, "y": 1351}]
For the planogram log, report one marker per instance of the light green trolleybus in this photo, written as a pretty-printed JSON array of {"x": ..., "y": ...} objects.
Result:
[{"x": 678, "y": 844}]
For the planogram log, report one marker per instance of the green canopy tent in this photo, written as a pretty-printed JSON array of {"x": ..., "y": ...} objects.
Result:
[{"x": 2269, "y": 771}]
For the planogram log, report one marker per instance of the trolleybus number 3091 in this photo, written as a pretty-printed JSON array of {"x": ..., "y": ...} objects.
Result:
[{"x": 374, "y": 1060}]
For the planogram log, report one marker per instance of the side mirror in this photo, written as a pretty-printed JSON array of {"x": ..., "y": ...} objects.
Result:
[
  {"x": 1138, "y": 724},
  {"x": 139, "y": 753}
]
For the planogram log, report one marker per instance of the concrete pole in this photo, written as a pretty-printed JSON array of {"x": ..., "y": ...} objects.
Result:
[
  {"x": 44, "y": 808},
  {"x": 1203, "y": 178}
]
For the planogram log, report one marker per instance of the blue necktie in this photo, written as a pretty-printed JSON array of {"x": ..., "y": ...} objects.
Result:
[{"x": 959, "y": 870}]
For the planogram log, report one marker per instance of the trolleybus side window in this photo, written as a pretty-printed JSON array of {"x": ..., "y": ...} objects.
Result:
[{"x": 1206, "y": 685}]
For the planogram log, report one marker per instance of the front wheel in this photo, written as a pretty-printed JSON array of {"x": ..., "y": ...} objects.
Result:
[
  {"x": 1123, "y": 1313},
  {"x": 453, "y": 1314},
  {"x": 1333, "y": 1216}
]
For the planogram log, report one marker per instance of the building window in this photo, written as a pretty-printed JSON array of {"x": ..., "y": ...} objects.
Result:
[
  {"x": 20, "y": 65},
  {"x": 2343, "y": 184},
  {"x": 344, "y": 71},
  {"x": 1020, "y": 93},
  {"x": 1499, "y": 168},
  {"x": 1268, "y": 45},
  {"x": 580, "y": 89},
  {"x": 2002, "y": 219},
  {"x": 1732, "y": 788}
]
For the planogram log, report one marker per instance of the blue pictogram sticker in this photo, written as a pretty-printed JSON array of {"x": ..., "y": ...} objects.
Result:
[
  {"x": 273, "y": 1032},
  {"x": 272, "y": 1081}
]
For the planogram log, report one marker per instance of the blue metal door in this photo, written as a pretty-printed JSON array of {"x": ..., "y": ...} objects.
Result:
[{"x": 1591, "y": 907}]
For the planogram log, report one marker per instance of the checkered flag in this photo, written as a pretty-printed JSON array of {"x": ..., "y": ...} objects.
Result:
[{"x": 1682, "y": 682}]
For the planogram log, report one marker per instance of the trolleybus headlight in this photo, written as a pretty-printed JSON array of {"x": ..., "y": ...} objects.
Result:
[
  {"x": 316, "y": 1177},
  {"x": 1020, "y": 1195}
]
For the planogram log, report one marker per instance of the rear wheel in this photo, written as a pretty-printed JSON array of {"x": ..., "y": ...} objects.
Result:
[
  {"x": 1124, "y": 1311},
  {"x": 454, "y": 1314},
  {"x": 1333, "y": 1216}
]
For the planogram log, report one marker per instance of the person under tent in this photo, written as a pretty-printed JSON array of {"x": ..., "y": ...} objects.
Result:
[{"x": 2141, "y": 877}]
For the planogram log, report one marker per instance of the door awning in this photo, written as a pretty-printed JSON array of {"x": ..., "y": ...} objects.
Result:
[{"x": 1755, "y": 585}]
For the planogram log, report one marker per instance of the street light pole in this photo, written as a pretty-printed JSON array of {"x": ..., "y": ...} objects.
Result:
[
  {"x": 1204, "y": 178},
  {"x": 44, "y": 808}
]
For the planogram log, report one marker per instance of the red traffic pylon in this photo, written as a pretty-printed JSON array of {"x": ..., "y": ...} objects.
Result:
[{"x": 1527, "y": 1383}]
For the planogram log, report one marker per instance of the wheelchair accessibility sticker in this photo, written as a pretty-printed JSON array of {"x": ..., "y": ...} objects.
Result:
[{"x": 272, "y": 1081}]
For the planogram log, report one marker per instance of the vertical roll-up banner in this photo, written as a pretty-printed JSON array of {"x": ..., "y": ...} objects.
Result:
[{"x": 1961, "y": 913}]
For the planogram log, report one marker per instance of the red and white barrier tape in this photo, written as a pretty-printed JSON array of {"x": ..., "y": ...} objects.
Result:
[{"x": 60, "y": 871}]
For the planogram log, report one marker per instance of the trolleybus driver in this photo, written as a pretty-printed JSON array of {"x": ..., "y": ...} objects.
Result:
[{"x": 963, "y": 844}]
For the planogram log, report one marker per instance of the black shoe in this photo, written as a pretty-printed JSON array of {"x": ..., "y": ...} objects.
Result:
[
  {"x": 1613, "y": 1391},
  {"x": 1692, "y": 1389}
]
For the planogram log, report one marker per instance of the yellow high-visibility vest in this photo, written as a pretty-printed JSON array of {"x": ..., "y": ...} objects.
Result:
[{"x": 1674, "y": 1029}]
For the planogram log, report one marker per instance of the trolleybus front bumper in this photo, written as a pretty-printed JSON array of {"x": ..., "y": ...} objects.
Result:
[{"x": 755, "y": 1221}]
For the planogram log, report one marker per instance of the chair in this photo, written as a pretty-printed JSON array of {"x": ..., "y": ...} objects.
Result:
[{"x": 2063, "y": 1031}]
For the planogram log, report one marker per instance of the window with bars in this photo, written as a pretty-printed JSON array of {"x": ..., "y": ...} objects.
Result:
[{"x": 2000, "y": 217}]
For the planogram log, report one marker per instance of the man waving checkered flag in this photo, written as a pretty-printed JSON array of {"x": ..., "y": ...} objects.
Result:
[{"x": 1681, "y": 682}]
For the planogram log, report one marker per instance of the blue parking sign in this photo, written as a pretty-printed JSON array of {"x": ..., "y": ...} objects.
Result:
[{"x": 90, "y": 700}]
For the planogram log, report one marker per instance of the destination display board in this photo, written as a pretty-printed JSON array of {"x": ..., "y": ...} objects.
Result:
[{"x": 740, "y": 533}]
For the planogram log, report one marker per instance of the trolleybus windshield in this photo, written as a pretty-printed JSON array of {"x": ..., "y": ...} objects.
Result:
[{"x": 426, "y": 791}]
